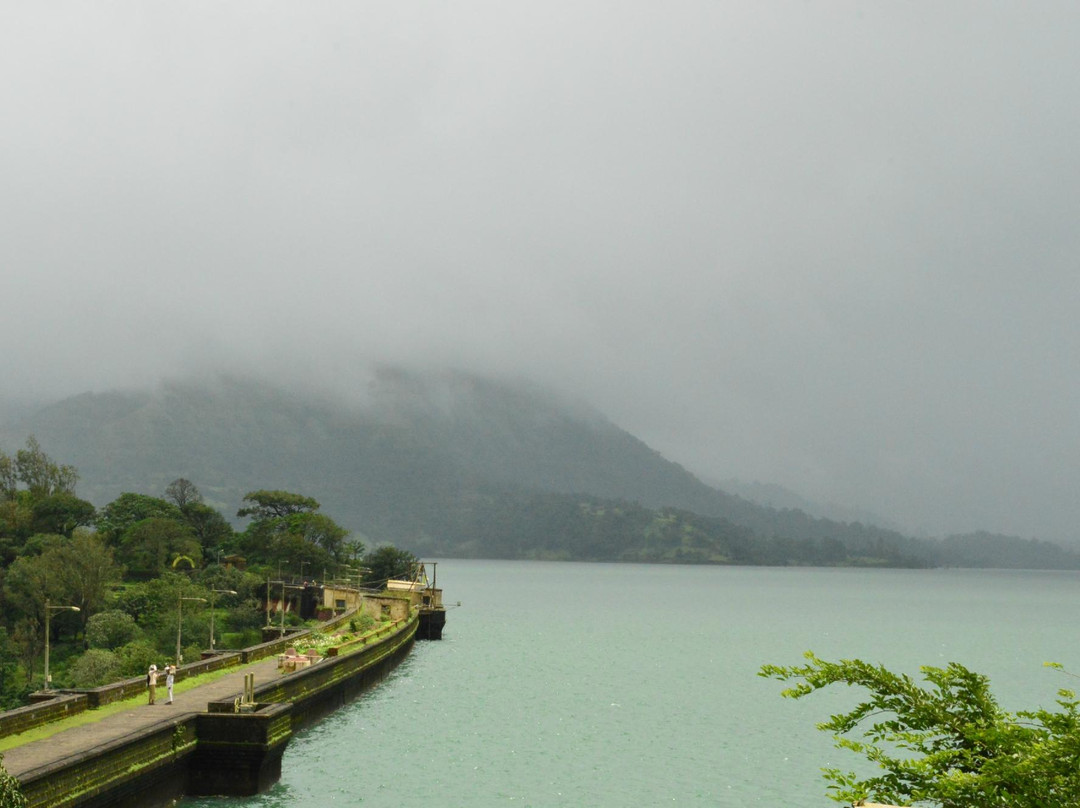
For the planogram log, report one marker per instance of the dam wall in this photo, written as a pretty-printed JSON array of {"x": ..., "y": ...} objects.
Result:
[{"x": 223, "y": 751}]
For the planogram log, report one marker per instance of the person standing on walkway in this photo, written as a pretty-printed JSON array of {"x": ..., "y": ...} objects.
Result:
[
  {"x": 170, "y": 677},
  {"x": 151, "y": 682}
]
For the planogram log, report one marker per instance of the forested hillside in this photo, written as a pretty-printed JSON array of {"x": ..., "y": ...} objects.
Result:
[{"x": 451, "y": 464}]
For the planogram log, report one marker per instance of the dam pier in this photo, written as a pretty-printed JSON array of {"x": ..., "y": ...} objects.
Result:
[{"x": 224, "y": 736}]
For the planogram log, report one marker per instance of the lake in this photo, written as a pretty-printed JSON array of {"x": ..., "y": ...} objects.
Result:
[{"x": 566, "y": 684}]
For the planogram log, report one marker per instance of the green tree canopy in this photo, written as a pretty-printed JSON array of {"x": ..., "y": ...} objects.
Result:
[
  {"x": 264, "y": 505},
  {"x": 388, "y": 562},
  {"x": 947, "y": 744},
  {"x": 111, "y": 629},
  {"x": 62, "y": 513},
  {"x": 41, "y": 475},
  {"x": 286, "y": 529},
  {"x": 127, "y": 509},
  {"x": 94, "y": 668},
  {"x": 149, "y": 546},
  {"x": 75, "y": 572},
  {"x": 208, "y": 526}
]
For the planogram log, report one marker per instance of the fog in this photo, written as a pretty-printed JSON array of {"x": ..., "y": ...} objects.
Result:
[{"x": 831, "y": 246}]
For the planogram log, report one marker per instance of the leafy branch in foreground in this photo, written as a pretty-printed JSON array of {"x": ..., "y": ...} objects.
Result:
[{"x": 947, "y": 743}]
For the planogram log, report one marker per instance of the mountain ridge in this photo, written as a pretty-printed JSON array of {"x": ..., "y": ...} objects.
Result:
[{"x": 436, "y": 460}]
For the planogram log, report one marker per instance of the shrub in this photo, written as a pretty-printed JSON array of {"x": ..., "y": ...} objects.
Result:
[
  {"x": 111, "y": 629},
  {"x": 10, "y": 794},
  {"x": 136, "y": 658},
  {"x": 364, "y": 622},
  {"x": 94, "y": 668}
]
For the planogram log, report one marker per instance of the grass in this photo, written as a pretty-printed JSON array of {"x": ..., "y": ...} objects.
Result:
[{"x": 92, "y": 716}]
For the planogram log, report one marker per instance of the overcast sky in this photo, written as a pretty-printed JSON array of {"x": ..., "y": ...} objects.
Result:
[{"x": 832, "y": 246}]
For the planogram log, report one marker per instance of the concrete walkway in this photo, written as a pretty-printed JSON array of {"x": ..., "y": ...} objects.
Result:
[{"x": 71, "y": 741}]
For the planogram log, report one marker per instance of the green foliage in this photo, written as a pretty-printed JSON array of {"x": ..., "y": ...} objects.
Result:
[
  {"x": 361, "y": 623},
  {"x": 947, "y": 743},
  {"x": 149, "y": 546},
  {"x": 61, "y": 513},
  {"x": 246, "y": 616},
  {"x": 133, "y": 599},
  {"x": 13, "y": 679},
  {"x": 11, "y": 795},
  {"x": 275, "y": 504},
  {"x": 75, "y": 572},
  {"x": 286, "y": 529},
  {"x": 40, "y": 474},
  {"x": 209, "y": 527},
  {"x": 94, "y": 668},
  {"x": 127, "y": 509},
  {"x": 240, "y": 639},
  {"x": 387, "y": 562},
  {"x": 111, "y": 629},
  {"x": 136, "y": 657}
]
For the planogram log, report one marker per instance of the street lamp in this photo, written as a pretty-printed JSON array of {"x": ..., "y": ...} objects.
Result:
[
  {"x": 48, "y": 610},
  {"x": 180, "y": 623},
  {"x": 282, "y": 608},
  {"x": 280, "y": 562},
  {"x": 212, "y": 591},
  {"x": 302, "y": 563}
]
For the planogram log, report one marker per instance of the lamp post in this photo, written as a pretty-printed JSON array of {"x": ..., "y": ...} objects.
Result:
[
  {"x": 302, "y": 563},
  {"x": 48, "y": 610},
  {"x": 280, "y": 562},
  {"x": 282, "y": 607},
  {"x": 180, "y": 623},
  {"x": 223, "y": 592}
]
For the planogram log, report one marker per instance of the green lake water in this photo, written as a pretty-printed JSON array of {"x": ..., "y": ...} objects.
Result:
[{"x": 563, "y": 684}]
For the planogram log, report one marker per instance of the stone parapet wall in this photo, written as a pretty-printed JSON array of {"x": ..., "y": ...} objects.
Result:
[
  {"x": 45, "y": 710},
  {"x": 118, "y": 691},
  {"x": 115, "y": 774}
]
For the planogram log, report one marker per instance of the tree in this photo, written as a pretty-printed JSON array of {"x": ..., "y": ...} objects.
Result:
[
  {"x": 9, "y": 478},
  {"x": 33, "y": 579},
  {"x": 75, "y": 572},
  {"x": 183, "y": 493},
  {"x": 61, "y": 513},
  {"x": 210, "y": 527},
  {"x": 948, "y": 744},
  {"x": 111, "y": 629},
  {"x": 269, "y": 504},
  {"x": 320, "y": 530},
  {"x": 40, "y": 474},
  {"x": 127, "y": 509},
  {"x": 137, "y": 656},
  {"x": 94, "y": 668},
  {"x": 87, "y": 570},
  {"x": 286, "y": 527},
  {"x": 388, "y": 562},
  {"x": 148, "y": 547},
  {"x": 13, "y": 679}
]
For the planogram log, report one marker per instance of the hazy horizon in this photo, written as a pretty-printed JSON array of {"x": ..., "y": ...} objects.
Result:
[{"x": 830, "y": 247}]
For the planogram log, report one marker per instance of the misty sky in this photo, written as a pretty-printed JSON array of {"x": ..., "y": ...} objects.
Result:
[{"x": 828, "y": 245}]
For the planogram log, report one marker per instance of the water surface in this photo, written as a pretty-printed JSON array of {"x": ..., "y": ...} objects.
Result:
[{"x": 563, "y": 684}]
